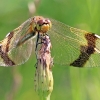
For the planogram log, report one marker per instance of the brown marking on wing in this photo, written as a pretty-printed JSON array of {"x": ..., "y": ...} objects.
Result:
[
  {"x": 85, "y": 51},
  {"x": 6, "y": 59},
  {"x": 9, "y": 37}
]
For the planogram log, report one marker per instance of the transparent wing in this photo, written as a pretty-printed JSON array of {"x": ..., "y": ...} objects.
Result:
[
  {"x": 16, "y": 54},
  {"x": 22, "y": 53},
  {"x": 15, "y": 35},
  {"x": 67, "y": 42}
]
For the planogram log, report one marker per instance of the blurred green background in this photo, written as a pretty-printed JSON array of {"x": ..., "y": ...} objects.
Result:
[{"x": 17, "y": 83}]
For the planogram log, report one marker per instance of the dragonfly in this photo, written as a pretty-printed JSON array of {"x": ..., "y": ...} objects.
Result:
[{"x": 70, "y": 46}]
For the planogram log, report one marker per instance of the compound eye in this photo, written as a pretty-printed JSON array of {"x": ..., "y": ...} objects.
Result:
[{"x": 40, "y": 22}]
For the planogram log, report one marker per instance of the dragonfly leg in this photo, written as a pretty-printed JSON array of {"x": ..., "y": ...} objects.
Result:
[{"x": 37, "y": 43}]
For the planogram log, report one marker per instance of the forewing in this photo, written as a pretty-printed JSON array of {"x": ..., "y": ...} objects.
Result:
[
  {"x": 67, "y": 43},
  {"x": 14, "y": 53},
  {"x": 17, "y": 34}
]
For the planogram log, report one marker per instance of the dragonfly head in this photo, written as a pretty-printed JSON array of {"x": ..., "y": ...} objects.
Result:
[{"x": 42, "y": 24}]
